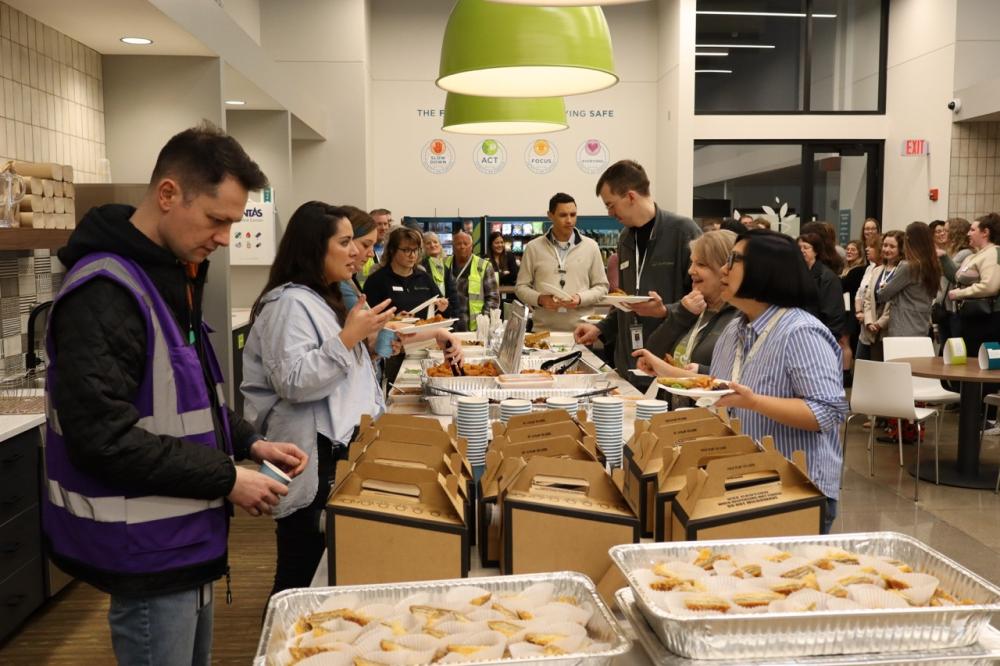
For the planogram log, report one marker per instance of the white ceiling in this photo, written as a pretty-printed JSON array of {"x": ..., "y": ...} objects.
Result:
[{"x": 100, "y": 24}]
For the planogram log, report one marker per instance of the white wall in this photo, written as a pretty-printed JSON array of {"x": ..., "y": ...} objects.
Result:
[
  {"x": 266, "y": 136},
  {"x": 405, "y": 38},
  {"x": 977, "y": 50},
  {"x": 246, "y": 13},
  {"x": 322, "y": 47}
]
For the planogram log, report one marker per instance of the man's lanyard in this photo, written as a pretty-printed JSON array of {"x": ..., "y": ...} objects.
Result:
[
  {"x": 740, "y": 360},
  {"x": 639, "y": 266},
  {"x": 462, "y": 272}
]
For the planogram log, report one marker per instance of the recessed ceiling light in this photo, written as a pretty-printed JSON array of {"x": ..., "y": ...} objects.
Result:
[
  {"x": 235, "y": 102},
  {"x": 136, "y": 41},
  {"x": 770, "y": 14},
  {"x": 713, "y": 71},
  {"x": 710, "y": 53}
]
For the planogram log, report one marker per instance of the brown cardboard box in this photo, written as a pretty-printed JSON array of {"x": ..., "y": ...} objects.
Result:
[
  {"x": 560, "y": 514},
  {"x": 643, "y": 454},
  {"x": 707, "y": 509},
  {"x": 543, "y": 425},
  {"x": 612, "y": 581},
  {"x": 488, "y": 532},
  {"x": 676, "y": 462},
  {"x": 387, "y": 524}
]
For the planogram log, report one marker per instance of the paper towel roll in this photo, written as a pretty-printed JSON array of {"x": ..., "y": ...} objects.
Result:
[
  {"x": 989, "y": 356},
  {"x": 954, "y": 351}
]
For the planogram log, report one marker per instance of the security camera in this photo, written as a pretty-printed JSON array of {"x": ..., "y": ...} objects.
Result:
[{"x": 955, "y": 105}]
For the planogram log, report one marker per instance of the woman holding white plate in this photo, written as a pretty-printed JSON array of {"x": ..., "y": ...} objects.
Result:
[{"x": 782, "y": 364}]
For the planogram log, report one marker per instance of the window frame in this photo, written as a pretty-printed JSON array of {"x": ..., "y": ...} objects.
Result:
[{"x": 806, "y": 55}]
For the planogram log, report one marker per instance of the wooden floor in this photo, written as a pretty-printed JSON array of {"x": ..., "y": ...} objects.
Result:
[{"x": 73, "y": 627}]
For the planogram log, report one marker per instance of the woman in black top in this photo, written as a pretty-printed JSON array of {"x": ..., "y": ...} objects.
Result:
[
  {"x": 504, "y": 263},
  {"x": 405, "y": 283},
  {"x": 830, "y": 308}
]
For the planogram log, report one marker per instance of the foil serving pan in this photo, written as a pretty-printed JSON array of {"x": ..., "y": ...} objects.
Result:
[
  {"x": 817, "y": 633},
  {"x": 585, "y": 376},
  {"x": 983, "y": 653},
  {"x": 285, "y": 608}
]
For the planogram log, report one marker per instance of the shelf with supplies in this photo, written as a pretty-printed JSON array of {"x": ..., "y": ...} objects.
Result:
[{"x": 24, "y": 238}]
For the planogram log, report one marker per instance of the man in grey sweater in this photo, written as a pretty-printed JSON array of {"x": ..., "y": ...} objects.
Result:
[
  {"x": 654, "y": 255},
  {"x": 562, "y": 274}
]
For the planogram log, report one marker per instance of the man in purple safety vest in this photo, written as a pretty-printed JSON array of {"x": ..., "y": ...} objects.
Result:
[{"x": 140, "y": 444}]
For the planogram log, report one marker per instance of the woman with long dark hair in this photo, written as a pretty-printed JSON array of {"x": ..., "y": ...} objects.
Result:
[
  {"x": 504, "y": 263},
  {"x": 830, "y": 305},
  {"x": 912, "y": 287},
  {"x": 307, "y": 374},
  {"x": 948, "y": 321}
]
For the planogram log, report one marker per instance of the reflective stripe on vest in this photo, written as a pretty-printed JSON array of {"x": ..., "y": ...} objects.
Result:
[
  {"x": 477, "y": 273},
  {"x": 366, "y": 270},
  {"x": 106, "y": 526},
  {"x": 437, "y": 273}
]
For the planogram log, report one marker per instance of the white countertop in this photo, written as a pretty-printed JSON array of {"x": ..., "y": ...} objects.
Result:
[
  {"x": 12, "y": 425},
  {"x": 241, "y": 317}
]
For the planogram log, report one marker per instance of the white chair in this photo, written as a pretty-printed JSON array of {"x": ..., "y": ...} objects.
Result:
[
  {"x": 924, "y": 389},
  {"x": 994, "y": 400},
  {"x": 886, "y": 390}
]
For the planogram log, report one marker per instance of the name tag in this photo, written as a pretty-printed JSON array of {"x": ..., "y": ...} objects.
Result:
[
  {"x": 396, "y": 287},
  {"x": 623, "y": 265}
]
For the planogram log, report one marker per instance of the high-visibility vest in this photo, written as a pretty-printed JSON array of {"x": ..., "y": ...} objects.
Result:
[
  {"x": 477, "y": 274},
  {"x": 437, "y": 272},
  {"x": 369, "y": 267},
  {"x": 103, "y": 525}
]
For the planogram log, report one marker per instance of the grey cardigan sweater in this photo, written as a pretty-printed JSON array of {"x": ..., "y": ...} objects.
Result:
[
  {"x": 677, "y": 326},
  {"x": 668, "y": 256},
  {"x": 911, "y": 304}
]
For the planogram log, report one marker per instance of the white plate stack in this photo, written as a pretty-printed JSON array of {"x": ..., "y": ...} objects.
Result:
[
  {"x": 608, "y": 414},
  {"x": 472, "y": 421},
  {"x": 513, "y": 407},
  {"x": 646, "y": 409},
  {"x": 563, "y": 402}
]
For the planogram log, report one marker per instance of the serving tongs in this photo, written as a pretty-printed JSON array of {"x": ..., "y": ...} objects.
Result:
[
  {"x": 564, "y": 363},
  {"x": 600, "y": 391},
  {"x": 456, "y": 368}
]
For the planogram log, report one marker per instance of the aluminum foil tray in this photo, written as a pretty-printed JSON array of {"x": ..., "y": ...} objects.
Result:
[
  {"x": 445, "y": 404},
  {"x": 588, "y": 378},
  {"x": 285, "y": 608},
  {"x": 986, "y": 651},
  {"x": 820, "y": 633}
]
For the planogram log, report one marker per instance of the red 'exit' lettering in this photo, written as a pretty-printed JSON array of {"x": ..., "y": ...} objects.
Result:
[{"x": 915, "y": 147}]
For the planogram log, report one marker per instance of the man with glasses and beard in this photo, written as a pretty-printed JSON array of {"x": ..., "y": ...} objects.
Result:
[
  {"x": 562, "y": 274},
  {"x": 654, "y": 254}
]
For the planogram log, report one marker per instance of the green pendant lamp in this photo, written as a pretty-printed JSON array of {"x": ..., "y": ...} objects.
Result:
[
  {"x": 468, "y": 114},
  {"x": 500, "y": 50},
  {"x": 566, "y": 3}
]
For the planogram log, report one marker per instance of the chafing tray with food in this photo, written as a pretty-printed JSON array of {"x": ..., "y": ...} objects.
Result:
[
  {"x": 549, "y": 618},
  {"x": 802, "y": 596}
]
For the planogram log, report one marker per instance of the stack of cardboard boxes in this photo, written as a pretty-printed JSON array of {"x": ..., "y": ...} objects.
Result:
[
  {"x": 400, "y": 505},
  {"x": 49, "y": 200}
]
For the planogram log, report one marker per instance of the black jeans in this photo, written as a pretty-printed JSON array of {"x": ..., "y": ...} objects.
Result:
[{"x": 300, "y": 541}]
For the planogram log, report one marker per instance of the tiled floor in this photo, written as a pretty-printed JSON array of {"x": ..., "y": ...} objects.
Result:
[{"x": 963, "y": 524}]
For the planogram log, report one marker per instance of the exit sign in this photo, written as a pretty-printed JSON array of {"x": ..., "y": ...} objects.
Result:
[{"x": 913, "y": 147}]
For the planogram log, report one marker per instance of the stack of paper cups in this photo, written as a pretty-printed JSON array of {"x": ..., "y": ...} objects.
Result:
[
  {"x": 563, "y": 402},
  {"x": 513, "y": 407},
  {"x": 608, "y": 415},
  {"x": 472, "y": 421},
  {"x": 645, "y": 409}
]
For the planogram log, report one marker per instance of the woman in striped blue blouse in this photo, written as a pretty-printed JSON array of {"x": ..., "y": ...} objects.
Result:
[{"x": 782, "y": 362}]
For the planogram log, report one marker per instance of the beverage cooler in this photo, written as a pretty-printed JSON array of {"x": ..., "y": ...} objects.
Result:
[
  {"x": 519, "y": 230},
  {"x": 447, "y": 227}
]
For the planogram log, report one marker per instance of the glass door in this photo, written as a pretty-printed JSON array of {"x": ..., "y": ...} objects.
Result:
[{"x": 842, "y": 185}]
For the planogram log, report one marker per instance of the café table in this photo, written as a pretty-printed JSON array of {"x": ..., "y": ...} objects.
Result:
[{"x": 966, "y": 471}]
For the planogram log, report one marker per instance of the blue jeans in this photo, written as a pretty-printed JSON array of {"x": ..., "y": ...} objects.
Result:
[
  {"x": 831, "y": 515},
  {"x": 166, "y": 630}
]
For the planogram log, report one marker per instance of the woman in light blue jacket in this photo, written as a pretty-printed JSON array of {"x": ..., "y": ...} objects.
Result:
[{"x": 308, "y": 376}]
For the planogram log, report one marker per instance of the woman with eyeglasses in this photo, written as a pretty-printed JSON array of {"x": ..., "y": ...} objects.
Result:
[
  {"x": 405, "y": 283},
  {"x": 687, "y": 337},
  {"x": 782, "y": 363}
]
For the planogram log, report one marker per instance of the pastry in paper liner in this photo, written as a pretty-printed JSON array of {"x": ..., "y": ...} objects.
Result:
[
  {"x": 756, "y": 553},
  {"x": 314, "y": 639},
  {"x": 753, "y": 601},
  {"x": 377, "y": 611},
  {"x": 873, "y": 596},
  {"x": 728, "y": 568},
  {"x": 538, "y": 629},
  {"x": 397, "y": 657},
  {"x": 370, "y": 638},
  {"x": 558, "y": 611},
  {"x": 789, "y": 567},
  {"x": 786, "y": 586},
  {"x": 678, "y": 569},
  {"x": 917, "y": 588},
  {"x": 422, "y": 644},
  {"x": 342, "y": 630},
  {"x": 726, "y": 586},
  {"x": 415, "y": 599},
  {"x": 537, "y": 594},
  {"x": 328, "y": 659},
  {"x": 454, "y": 627},
  {"x": 337, "y": 601},
  {"x": 692, "y": 604},
  {"x": 838, "y": 604},
  {"x": 522, "y": 649},
  {"x": 402, "y": 623},
  {"x": 485, "y": 615},
  {"x": 468, "y": 596},
  {"x": 800, "y": 601},
  {"x": 482, "y": 646}
]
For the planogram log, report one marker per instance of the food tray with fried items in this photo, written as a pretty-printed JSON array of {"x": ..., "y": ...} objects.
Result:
[
  {"x": 554, "y": 618},
  {"x": 482, "y": 373},
  {"x": 983, "y": 653},
  {"x": 805, "y": 596}
]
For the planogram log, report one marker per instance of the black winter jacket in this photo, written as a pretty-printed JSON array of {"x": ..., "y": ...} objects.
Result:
[{"x": 100, "y": 353}]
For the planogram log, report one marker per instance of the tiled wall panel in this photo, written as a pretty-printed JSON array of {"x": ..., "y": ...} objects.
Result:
[
  {"x": 975, "y": 170},
  {"x": 51, "y": 110}
]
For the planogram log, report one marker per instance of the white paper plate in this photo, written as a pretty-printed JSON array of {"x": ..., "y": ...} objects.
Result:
[
  {"x": 592, "y": 319},
  {"x": 624, "y": 300},
  {"x": 553, "y": 290},
  {"x": 704, "y": 397},
  {"x": 445, "y": 323}
]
